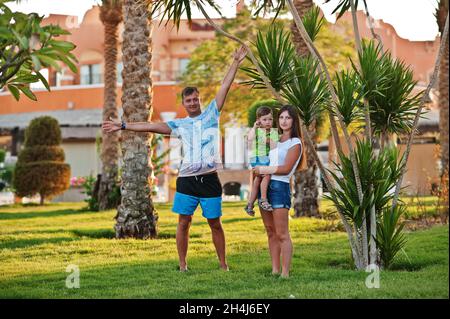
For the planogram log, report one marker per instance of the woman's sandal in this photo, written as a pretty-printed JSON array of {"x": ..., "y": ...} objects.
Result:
[
  {"x": 265, "y": 205},
  {"x": 249, "y": 210}
]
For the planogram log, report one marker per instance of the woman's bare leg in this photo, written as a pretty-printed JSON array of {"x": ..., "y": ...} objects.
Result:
[
  {"x": 281, "y": 223},
  {"x": 274, "y": 245}
]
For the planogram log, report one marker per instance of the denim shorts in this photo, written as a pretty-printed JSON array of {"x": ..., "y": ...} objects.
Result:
[{"x": 279, "y": 194}]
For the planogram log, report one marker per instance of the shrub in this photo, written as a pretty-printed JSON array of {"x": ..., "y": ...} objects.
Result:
[
  {"x": 2, "y": 155},
  {"x": 40, "y": 168},
  {"x": 89, "y": 187}
]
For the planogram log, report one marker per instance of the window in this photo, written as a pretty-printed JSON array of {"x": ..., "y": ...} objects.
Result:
[
  {"x": 90, "y": 74},
  {"x": 183, "y": 63}
]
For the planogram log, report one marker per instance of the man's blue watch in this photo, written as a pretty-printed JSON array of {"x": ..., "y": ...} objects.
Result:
[{"x": 123, "y": 126}]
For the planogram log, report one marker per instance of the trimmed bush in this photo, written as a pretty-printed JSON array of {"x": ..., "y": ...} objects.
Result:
[
  {"x": 40, "y": 153},
  {"x": 43, "y": 130},
  {"x": 40, "y": 168}
]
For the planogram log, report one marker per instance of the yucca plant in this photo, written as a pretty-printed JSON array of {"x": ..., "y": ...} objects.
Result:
[
  {"x": 306, "y": 91},
  {"x": 174, "y": 9},
  {"x": 393, "y": 110},
  {"x": 390, "y": 237},
  {"x": 274, "y": 53},
  {"x": 343, "y": 6},
  {"x": 371, "y": 70},
  {"x": 345, "y": 195},
  {"x": 268, "y": 6},
  {"x": 378, "y": 178},
  {"x": 313, "y": 22},
  {"x": 349, "y": 92}
]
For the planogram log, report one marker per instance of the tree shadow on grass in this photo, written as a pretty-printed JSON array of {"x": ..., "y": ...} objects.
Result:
[
  {"x": 26, "y": 243},
  {"x": 55, "y": 213},
  {"x": 108, "y": 233}
]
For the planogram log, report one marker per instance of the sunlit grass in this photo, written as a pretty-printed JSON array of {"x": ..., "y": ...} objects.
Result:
[{"x": 38, "y": 243}]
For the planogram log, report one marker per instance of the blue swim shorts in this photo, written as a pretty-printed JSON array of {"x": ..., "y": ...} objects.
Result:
[{"x": 205, "y": 190}]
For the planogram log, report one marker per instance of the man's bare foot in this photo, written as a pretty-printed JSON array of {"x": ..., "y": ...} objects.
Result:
[
  {"x": 224, "y": 267},
  {"x": 183, "y": 268},
  {"x": 284, "y": 276}
]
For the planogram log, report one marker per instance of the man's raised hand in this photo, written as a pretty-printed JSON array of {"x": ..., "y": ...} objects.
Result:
[{"x": 111, "y": 126}]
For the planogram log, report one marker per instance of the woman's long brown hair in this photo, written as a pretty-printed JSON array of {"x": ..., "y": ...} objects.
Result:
[{"x": 296, "y": 131}]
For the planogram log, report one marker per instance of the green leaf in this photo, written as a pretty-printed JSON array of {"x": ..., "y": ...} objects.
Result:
[
  {"x": 14, "y": 91},
  {"x": 36, "y": 63},
  {"x": 64, "y": 45},
  {"x": 43, "y": 80},
  {"x": 26, "y": 90},
  {"x": 49, "y": 61},
  {"x": 69, "y": 63},
  {"x": 23, "y": 41}
]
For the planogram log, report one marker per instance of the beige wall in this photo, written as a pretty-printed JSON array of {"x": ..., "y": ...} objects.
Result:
[
  {"x": 421, "y": 170},
  {"x": 83, "y": 158}
]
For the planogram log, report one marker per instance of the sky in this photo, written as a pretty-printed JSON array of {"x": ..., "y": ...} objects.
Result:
[{"x": 412, "y": 19}]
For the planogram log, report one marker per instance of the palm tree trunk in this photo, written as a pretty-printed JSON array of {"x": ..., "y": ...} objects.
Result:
[
  {"x": 302, "y": 7},
  {"x": 443, "y": 110},
  {"x": 136, "y": 216},
  {"x": 111, "y": 16},
  {"x": 306, "y": 202}
]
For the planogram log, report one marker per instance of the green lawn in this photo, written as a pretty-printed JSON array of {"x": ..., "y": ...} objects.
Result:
[{"x": 38, "y": 243}]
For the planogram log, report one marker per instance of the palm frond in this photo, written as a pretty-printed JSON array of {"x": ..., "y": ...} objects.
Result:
[
  {"x": 269, "y": 6},
  {"x": 312, "y": 22},
  {"x": 174, "y": 9},
  {"x": 307, "y": 91},
  {"x": 390, "y": 237},
  {"x": 349, "y": 93},
  {"x": 274, "y": 52},
  {"x": 343, "y": 6}
]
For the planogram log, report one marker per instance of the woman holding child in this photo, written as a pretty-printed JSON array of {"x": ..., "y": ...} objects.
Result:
[{"x": 284, "y": 159}]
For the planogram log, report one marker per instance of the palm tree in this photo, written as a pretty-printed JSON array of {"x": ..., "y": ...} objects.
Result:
[
  {"x": 306, "y": 192},
  {"x": 136, "y": 216},
  {"x": 441, "y": 15},
  {"x": 111, "y": 16}
]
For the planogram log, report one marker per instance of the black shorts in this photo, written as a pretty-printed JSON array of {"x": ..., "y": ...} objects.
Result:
[{"x": 203, "y": 186}]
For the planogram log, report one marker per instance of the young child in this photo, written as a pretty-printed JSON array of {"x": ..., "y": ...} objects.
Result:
[{"x": 261, "y": 139}]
